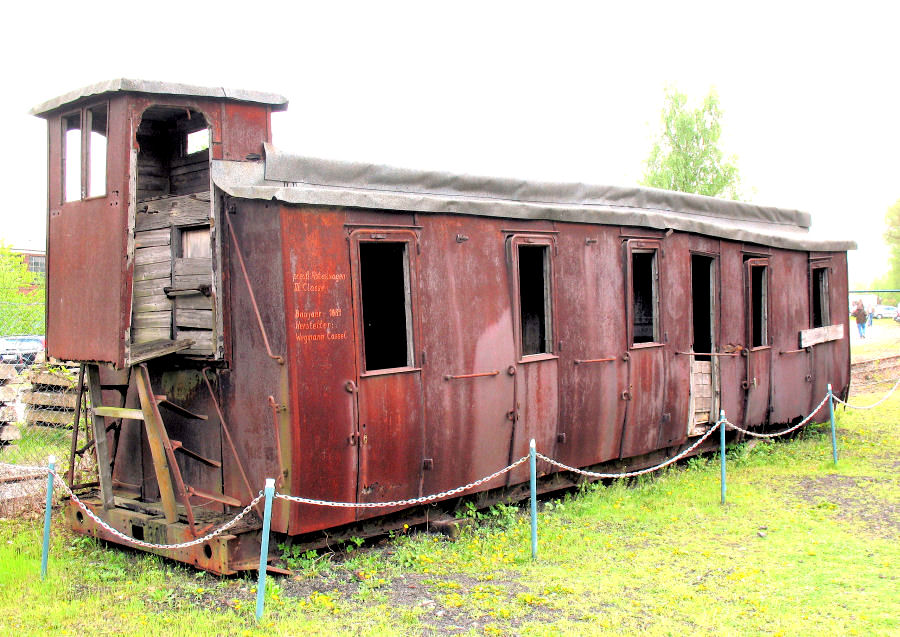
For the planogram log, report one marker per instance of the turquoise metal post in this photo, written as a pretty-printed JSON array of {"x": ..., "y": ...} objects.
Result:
[
  {"x": 833, "y": 430},
  {"x": 264, "y": 548},
  {"x": 722, "y": 450},
  {"x": 47, "y": 509},
  {"x": 532, "y": 462}
]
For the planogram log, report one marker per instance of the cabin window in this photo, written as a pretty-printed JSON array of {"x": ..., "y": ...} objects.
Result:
[
  {"x": 195, "y": 243},
  {"x": 84, "y": 146},
  {"x": 386, "y": 305},
  {"x": 197, "y": 141},
  {"x": 645, "y": 296},
  {"x": 71, "y": 157},
  {"x": 759, "y": 330},
  {"x": 819, "y": 302},
  {"x": 534, "y": 299}
]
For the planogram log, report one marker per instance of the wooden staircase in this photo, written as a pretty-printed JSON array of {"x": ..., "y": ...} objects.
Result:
[{"x": 172, "y": 488}]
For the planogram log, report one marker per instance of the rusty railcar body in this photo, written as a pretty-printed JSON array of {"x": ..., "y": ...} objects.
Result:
[{"x": 367, "y": 334}]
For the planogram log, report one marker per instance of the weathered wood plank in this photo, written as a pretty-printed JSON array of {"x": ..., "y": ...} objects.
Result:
[
  {"x": 189, "y": 267},
  {"x": 8, "y": 393},
  {"x": 150, "y": 238},
  {"x": 118, "y": 412},
  {"x": 41, "y": 377},
  {"x": 818, "y": 335},
  {"x": 152, "y": 319},
  {"x": 148, "y": 335},
  {"x": 198, "y": 319},
  {"x": 152, "y": 271},
  {"x": 50, "y": 399},
  {"x": 171, "y": 211},
  {"x": 8, "y": 433},
  {"x": 155, "y": 254},
  {"x": 193, "y": 302},
  {"x": 150, "y": 287},
  {"x": 8, "y": 413},
  {"x": 152, "y": 349},
  {"x": 191, "y": 281},
  {"x": 52, "y": 416},
  {"x": 155, "y": 303},
  {"x": 7, "y": 372},
  {"x": 101, "y": 448}
]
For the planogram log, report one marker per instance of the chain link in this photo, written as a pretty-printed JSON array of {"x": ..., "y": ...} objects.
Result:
[
  {"x": 150, "y": 545},
  {"x": 631, "y": 474},
  {"x": 400, "y": 503},
  {"x": 872, "y": 406},
  {"x": 779, "y": 433}
]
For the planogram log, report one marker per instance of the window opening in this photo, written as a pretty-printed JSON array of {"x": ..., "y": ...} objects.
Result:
[
  {"x": 703, "y": 304},
  {"x": 645, "y": 313},
  {"x": 534, "y": 299},
  {"x": 96, "y": 151},
  {"x": 197, "y": 141},
  {"x": 71, "y": 157},
  {"x": 386, "y": 306},
  {"x": 758, "y": 306},
  {"x": 820, "y": 310},
  {"x": 195, "y": 243}
]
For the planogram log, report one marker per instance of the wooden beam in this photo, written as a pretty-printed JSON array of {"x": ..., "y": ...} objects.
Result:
[
  {"x": 821, "y": 335},
  {"x": 104, "y": 462}
]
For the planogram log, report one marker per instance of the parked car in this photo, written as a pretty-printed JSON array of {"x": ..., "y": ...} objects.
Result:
[
  {"x": 885, "y": 311},
  {"x": 21, "y": 351}
]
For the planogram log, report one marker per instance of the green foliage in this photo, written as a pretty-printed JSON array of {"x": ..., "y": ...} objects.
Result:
[
  {"x": 21, "y": 296},
  {"x": 891, "y": 279},
  {"x": 686, "y": 156}
]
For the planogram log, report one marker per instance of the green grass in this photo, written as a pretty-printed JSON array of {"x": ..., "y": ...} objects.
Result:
[
  {"x": 801, "y": 547},
  {"x": 887, "y": 344}
]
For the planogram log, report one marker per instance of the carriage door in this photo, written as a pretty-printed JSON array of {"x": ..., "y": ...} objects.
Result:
[
  {"x": 756, "y": 383},
  {"x": 536, "y": 369},
  {"x": 390, "y": 433},
  {"x": 704, "y": 363}
]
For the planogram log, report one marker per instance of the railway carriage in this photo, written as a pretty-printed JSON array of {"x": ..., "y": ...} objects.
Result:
[{"x": 366, "y": 334}]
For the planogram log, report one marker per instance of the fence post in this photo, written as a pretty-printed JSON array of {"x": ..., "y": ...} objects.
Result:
[
  {"x": 722, "y": 450},
  {"x": 264, "y": 548},
  {"x": 532, "y": 462},
  {"x": 833, "y": 430},
  {"x": 45, "y": 551}
]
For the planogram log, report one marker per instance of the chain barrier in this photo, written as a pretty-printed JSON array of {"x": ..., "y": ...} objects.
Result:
[
  {"x": 803, "y": 422},
  {"x": 150, "y": 545},
  {"x": 400, "y": 503},
  {"x": 631, "y": 474},
  {"x": 872, "y": 406}
]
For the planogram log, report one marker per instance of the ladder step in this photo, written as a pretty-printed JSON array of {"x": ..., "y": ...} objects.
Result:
[
  {"x": 119, "y": 412},
  {"x": 178, "y": 409},
  {"x": 177, "y": 446},
  {"x": 218, "y": 497}
]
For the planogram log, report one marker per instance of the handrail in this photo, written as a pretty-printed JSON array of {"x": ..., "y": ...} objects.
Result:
[
  {"x": 262, "y": 329},
  {"x": 579, "y": 361},
  {"x": 732, "y": 354},
  {"x": 478, "y": 375}
]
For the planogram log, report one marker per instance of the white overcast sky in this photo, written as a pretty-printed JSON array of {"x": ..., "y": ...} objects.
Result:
[{"x": 550, "y": 91}]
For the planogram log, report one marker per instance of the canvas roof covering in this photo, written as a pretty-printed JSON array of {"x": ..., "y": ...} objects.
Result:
[{"x": 304, "y": 180}]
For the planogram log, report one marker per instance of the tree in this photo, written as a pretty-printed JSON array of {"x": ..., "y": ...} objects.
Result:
[
  {"x": 891, "y": 279},
  {"x": 21, "y": 296},
  {"x": 686, "y": 156}
]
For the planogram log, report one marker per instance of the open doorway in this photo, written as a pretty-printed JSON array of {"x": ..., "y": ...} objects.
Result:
[{"x": 704, "y": 368}]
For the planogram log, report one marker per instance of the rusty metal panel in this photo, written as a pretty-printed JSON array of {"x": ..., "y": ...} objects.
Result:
[
  {"x": 321, "y": 356},
  {"x": 790, "y": 313},
  {"x": 592, "y": 372},
  {"x": 244, "y": 129},
  {"x": 733, "y": 333},
  {"x": 676, "y": 301},
  {"x": 469, "y": 351},
  {"x": 88, "y": 269},
  {"x": 242, "y": 391}
]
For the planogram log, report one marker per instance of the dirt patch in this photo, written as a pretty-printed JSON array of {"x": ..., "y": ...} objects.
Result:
[{"x": 852, "y": 499}]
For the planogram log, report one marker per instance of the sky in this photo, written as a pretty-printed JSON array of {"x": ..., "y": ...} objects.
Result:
[{"x": 547, "y": 91}]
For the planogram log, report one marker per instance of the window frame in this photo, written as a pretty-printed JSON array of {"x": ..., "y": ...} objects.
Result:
[
  {"x": 411, "y": 248},
  {"x": 514, "y": 242},
  {"x": 643, "y": 246},
  {"x": 749, "y": 264},
  {"x": 824, "y": 294},
  {"x": 85, "y": 122}
]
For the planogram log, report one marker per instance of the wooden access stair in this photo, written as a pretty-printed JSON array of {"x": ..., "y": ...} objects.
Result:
[{"x": 172, "y": 488}]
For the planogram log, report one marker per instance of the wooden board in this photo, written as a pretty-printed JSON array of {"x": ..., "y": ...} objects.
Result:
[
  {"x": 154, "y": 254},
  {"x": 52, "y": 416},
  {"x": 151, "y": 303},
  {"x": 193, "y": 267},
  {"x": 150, "y": 287},
  {"x": 153, "y": 349},
  {"x": 821, "y": 335},
  {"x": 8, "y": 393},
  {"x": 198, "y": 319},
  {"x": 152, "y": 271},
  {"x": 149, "y": 334},
  {"x": 49, "y": 378},
  {"x": 7, "y": 372},
  {"x": 152, "y": 320},
  {"x": 9, "y": 433},
  {"x": 148, "y": 238},
  {"x": 180, "y": 210},
  {"x": 50, "y": 399}
]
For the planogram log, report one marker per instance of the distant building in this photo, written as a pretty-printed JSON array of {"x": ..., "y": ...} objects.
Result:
[{"x": 36, "y": 260}]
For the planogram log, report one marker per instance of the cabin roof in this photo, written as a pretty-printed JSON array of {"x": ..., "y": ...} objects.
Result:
[
  {"x": 304, "y": 180},
  {"x": 124, "y": 85}
]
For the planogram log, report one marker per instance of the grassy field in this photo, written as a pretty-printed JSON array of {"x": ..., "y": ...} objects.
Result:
[{"x": 801, "y": 547}]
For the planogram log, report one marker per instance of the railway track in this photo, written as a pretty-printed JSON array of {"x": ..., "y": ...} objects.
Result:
[{"x": 868, "y": 374}]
